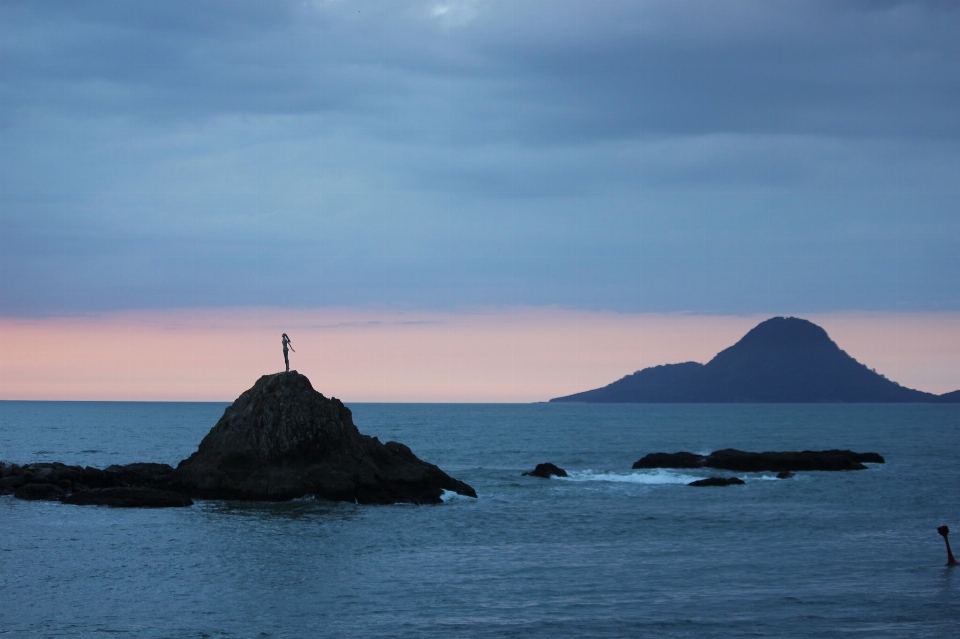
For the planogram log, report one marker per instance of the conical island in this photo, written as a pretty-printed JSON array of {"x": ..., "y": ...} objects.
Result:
[
  {"x": 784, "y": 359},
  {"x": 282, "y": 440}
]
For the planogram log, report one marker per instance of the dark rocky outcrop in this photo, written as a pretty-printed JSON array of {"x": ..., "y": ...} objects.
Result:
[
  {"x": 279, "y": 440},
  {"x": 718, "y": 481},
  {"x": 546, "y": 471},
  {"x": 146, "y": 475},
  {"x": 39, "y": 492},
  {"x": 128, "y": 497},
  {"x": 670, "y": 460},
  {"x": 11, "y": 483},
  {"x": 130, "y": 485},
  {"x": 282, "y": 440},
  {"x": 784, "y": 359},
  {"x": 784, "y": 474},
  {"x": 68, "y": 478},
  {"x": 732, "y": 459}
]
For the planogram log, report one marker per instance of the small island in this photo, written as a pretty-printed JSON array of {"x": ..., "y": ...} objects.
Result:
[{"x": 279, "y": 440}]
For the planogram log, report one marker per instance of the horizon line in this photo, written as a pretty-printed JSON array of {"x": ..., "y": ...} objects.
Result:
[{"x": 513, "y": 355}]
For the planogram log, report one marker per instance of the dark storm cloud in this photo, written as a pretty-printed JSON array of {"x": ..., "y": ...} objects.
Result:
[{"x": 641, "y": 156}]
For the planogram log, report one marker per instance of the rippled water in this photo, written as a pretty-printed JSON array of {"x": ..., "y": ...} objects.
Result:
[{"x": 609, "y": 552}]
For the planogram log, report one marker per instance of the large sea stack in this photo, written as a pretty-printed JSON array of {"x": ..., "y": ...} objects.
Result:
[{"x": 283, "y": 440}]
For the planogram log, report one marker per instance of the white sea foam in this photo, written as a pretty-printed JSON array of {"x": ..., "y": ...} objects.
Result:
[
  {"x": 449, "y": 495},
  {"x": 656, "y": 476}
]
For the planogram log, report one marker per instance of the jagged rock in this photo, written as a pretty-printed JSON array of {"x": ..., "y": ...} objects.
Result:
[
  {"x": 128, "y": 497},
  {"x": 546, "y": 471},
  {"x": 717, "y": 481},
  {"x": 281, "y": 440},
  {"x": 39, "y": 492},
  {"x": 732, "y": 459}
]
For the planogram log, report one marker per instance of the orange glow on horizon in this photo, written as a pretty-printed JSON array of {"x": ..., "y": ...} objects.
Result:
[{"x": 511, "y": 355}]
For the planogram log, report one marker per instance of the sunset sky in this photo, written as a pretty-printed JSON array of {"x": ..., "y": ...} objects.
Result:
[{"x": 468, "y": 200}]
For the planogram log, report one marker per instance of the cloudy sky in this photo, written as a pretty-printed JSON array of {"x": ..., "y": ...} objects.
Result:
[{"x": 450, "y": 159}]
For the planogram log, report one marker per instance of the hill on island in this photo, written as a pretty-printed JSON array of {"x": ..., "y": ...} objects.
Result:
[{"x": 784, "y": 359}]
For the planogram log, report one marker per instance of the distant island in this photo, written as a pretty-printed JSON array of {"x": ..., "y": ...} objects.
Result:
[{"x": 781, "y": 360}]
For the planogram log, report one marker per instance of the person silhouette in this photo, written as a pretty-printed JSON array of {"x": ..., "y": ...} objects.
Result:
[
  {"x": 286, "y": 344},
  {"x": 951, "y": 560}
]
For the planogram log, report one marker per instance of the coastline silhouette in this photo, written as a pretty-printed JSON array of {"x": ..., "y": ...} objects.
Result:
[{"x": 781, "y": 360}]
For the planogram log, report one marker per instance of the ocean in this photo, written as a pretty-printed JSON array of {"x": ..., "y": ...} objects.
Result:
[{"x": 608, "y": 552}]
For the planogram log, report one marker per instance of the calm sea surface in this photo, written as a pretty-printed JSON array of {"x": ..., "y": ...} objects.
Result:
[{"x": 609, "y": 552}]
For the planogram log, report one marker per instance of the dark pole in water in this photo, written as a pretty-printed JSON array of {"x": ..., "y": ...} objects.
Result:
[{"x": 951, "y": 560}]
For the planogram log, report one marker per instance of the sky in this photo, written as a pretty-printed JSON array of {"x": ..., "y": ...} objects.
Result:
[{"x": 519, "y": 176}]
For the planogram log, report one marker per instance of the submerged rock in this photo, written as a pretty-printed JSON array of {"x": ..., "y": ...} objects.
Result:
[
  {"x": 546, "y": 471},
  {"x": 784, "y": 474},
  {"x": 718, "y": 481},
  {"x": 282, "y": 439},
  {"x": 732, "y": 459}
]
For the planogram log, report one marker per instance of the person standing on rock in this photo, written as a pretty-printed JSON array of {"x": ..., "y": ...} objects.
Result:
[{"x": 286, "y": 345}]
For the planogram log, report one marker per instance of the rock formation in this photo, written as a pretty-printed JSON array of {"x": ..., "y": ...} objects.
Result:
[
  {"x": 39, "y": 492},
  {"x": 546, "y": 471},
  {"x": 279, "y": 440},
  {"x": 282, "y": 440},
  {"x": 718, "y": 481},
  {"x": 132, "y": 486},
  {"x": 732, "y": 459}
]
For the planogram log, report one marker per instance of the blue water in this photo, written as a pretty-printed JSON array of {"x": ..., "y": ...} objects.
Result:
[{"x": 608, "y": 553}]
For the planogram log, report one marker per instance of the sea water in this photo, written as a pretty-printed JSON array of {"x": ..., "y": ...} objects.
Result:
[{"x": 608, "y": 552}]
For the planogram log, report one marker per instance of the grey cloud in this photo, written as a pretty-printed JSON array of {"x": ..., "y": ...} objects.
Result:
[
  {"x": 544, "y": 72},
  {"x": 729, "y": 157}
]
